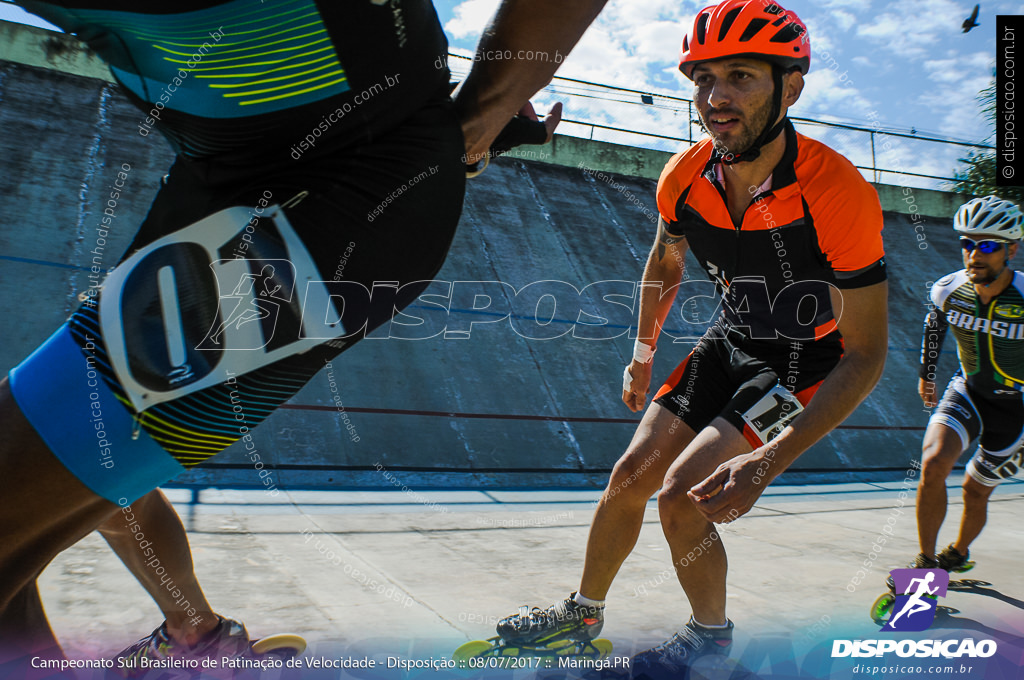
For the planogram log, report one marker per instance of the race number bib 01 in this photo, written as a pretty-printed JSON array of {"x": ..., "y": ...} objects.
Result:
[
  {"x": 180, "y": 315},
  {"x": 770, "y": 415}
]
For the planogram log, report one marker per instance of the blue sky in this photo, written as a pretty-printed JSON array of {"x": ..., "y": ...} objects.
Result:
[
  {"x": 898, "y": 66},
  {"x": 909, "y": 60}
]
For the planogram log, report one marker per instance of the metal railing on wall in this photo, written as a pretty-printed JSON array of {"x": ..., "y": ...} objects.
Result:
[{"x": 665, "y": 122}]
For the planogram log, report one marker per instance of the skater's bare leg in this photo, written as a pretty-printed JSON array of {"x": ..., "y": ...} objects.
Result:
[
  {"x": 44, "y": 510},
  {"x": 940, "y": 450},
  {"x": 688, "y": 532},
  {"x": 153, "y": 517},
  {"x": 975, "y": 513},
  {"x": 620, "y": 513},
  {"x": 24, "y": 628}
]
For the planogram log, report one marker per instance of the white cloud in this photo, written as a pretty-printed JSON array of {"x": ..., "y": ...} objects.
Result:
[
  {"x": 844, "y": 19},
  {"x": 831, "y": 93},
  {"x": 956, "y": 67},
  {"x": 471, "y": 18},
  {"x": 957, "y": 108},
  {"x": 912, "y": 27},
  {"x": 859, "y": 6},
  {"x": 659, "y": 41}
]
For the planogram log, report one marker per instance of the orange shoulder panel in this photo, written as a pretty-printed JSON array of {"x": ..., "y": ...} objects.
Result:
[
  {"x": 845, "y": 208},
  {"x": 679, "y": 173}
]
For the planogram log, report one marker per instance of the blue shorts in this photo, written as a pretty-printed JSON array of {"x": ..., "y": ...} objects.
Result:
[{"x": 70, "y": 405}]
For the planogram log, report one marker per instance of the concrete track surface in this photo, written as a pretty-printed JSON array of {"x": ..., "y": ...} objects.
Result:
[{"x": 413, "y": 575}]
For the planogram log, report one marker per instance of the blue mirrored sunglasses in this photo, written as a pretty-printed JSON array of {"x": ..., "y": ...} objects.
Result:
[{"x": 986, "y": 247}]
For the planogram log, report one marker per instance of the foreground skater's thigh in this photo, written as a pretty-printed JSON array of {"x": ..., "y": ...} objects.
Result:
[
  {"x": 658, "y": 440},
  {"x": 714, "y": 445}
]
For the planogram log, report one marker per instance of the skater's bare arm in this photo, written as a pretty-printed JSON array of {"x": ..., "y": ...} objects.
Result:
[
  {"x": 864, "y": 326},
  {"x": 935, "y": 327},
  {"x": 497, "y": 87},
  {"x": 926, "y": 389},
  {"x": 662, "y": 274}
]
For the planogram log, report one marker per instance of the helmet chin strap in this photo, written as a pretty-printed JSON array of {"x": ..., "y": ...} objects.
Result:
[{"x": 768, "y": 134}]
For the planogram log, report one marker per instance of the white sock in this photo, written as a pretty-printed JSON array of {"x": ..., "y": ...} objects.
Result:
[
  {"x": 720, "y": 626},
  {"x": 587, "y": 602}
]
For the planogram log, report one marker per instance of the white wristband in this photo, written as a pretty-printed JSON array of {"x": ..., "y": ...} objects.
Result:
[
  {"x": 627, "y": 380},
  {"x": 642, "y": 352}
]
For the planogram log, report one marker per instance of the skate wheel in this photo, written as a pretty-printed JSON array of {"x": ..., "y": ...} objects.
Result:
[
  {"x": 471, "y": 650},
  {"x": 967, "y": 584},
  {"x": 882, "y": 607},
  {"x": 562, "y": 647},
  {"x": 971, "y": 582},
  {"x": 284, "y": 646},
  {"x": 603, "y": 648}
]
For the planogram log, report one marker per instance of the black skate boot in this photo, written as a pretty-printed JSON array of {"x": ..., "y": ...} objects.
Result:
[{"x": 952, "y": 561}]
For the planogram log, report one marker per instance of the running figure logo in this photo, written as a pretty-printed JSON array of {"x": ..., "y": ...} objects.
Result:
[
  {"x": 916, "y": 593},
  {"x": 251, "y": 309}
]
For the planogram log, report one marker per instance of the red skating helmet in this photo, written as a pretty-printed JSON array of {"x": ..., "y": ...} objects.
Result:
[{"x": 759, "y": 29}]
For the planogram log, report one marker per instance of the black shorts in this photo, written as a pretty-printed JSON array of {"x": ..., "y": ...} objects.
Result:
[
  {"x": 997, "y": 419},
  {"x": 225, "y": 305},
  {"x": 757, "y": 388}
]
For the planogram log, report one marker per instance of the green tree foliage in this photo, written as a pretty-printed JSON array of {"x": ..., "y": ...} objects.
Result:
[{"x": 977, "y": 172}]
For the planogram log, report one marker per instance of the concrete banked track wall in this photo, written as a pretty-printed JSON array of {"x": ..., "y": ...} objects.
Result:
[{"x": 506, "y": 406}]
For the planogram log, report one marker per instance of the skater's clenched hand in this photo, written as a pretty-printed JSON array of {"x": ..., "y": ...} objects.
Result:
[
  {"x": 496, "y": 88},
  {"x": 732, "y": 489},
  {"x": 635, "y": 384}
]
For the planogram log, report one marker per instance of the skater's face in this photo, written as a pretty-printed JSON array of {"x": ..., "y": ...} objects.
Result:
[
  {"x": 985, "y": 268},
  {"x": 734, "y": 99}
]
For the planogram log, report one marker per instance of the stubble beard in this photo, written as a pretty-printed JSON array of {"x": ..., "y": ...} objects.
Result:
[
  {"x": 985, "y": 276},
  {"x": 758, "y": 122}
]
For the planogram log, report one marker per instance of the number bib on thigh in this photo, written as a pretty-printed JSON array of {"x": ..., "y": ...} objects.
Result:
[
  {"x": 179, "y": 315},
  {"x": 770, "y": 415}
]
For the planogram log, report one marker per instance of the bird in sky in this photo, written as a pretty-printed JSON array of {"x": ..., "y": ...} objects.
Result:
[{"x": 972, "y": 21}]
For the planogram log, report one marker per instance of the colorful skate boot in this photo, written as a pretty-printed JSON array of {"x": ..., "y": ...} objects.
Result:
[
  {"x": 229, "y": 638},
  {"x": 952, "y": 561},
  {"x": 694, "y": 644},
  {"x": 920, "y": 562},
  {"x": 949, "y": 559},
  {"x": 563, "y": 630},
  {"x": 565, "y": 619}
]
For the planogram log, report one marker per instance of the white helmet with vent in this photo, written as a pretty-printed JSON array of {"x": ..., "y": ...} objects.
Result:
[{"x": 989, "y": 216}]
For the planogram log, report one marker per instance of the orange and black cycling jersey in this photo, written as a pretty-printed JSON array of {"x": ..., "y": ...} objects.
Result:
[{"x": 819, "y": 224}]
